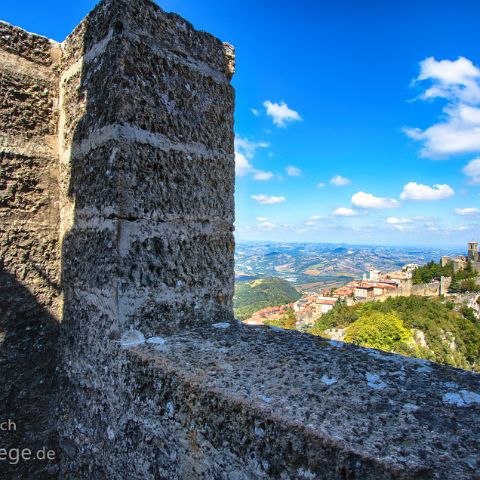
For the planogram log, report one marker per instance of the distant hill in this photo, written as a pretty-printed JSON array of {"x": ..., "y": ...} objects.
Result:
[{"x": 264, "y": 292}]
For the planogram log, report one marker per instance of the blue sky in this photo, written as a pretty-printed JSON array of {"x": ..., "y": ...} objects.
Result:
[{"x": 356, "y": 121}]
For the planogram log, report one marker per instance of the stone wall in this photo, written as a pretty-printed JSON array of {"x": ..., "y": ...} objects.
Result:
[{"x": 30, "y": 300}]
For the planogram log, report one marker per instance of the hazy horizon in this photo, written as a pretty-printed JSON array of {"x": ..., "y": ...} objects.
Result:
[{"x": 352, "y": 244}]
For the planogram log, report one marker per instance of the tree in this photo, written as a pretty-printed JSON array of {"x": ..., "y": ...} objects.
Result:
[{"x": 384, "y": 331}]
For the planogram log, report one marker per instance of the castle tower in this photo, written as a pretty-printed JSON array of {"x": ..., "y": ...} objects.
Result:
[{"x": 473, "y": 251}]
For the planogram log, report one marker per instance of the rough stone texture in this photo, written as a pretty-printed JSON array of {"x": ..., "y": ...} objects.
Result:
[
  {"x": 117, "y": 178},
  {"x": 252, "y": 402},
  {"x": 147, "y": 160},
  {"x": 30, "y": 300}
]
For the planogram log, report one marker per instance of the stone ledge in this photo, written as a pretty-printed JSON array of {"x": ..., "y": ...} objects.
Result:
[{"x": 252, "y": 402}]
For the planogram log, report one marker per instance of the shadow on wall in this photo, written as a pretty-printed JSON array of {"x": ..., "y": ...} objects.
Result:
[
  {"x": 146, "y": 151},
  {"x": 29, "y": 380}
]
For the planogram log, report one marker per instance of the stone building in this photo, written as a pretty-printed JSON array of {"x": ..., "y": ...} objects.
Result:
[
  {"x": 118, "y": 347},
  {"x": 461, "y": 262}
]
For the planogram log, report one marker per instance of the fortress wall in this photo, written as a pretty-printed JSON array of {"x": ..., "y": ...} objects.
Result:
[
  {"x": 147, "y": 159},
  {"x": 30, "y": 300},
  {"x": 426, "y": 289},
  {"x": 126, "y": 193}
]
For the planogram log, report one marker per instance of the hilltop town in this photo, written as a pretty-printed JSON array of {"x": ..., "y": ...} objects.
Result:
[{"x": 375, "y": 285}]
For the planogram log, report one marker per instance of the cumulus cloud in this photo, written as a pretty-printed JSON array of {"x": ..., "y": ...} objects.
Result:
[
  {"x": 367, "y": 200},
  {"x": 340, "y": 181},
  {"x": 268, "y": 199},
  {"x": 262, "y": 219},
  {"x": 261, "y": 175},
  {"x": 464, "y": 212},
  {"x": 398, "y": 221},
  {"x": 345, "y": 212},
  {"x": 472, "y": 170},
  {"x": 244, "y": 152},
  {"x": 280, "y": 113},
  {"x": 451, "y": 79},
  {"x": 457, "y": 82},
  {"x": 417, "y": 191},
  {"x": 242, "y": 165},
  {"x": 293, "y": 171}
]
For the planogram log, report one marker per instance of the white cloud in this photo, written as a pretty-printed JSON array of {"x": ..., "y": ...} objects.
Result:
[
  {"x": 472, "y": 170},
  {"x": 293, "y": 171},
  {"x": 261, "y": 175},
  {"x": 267, "y": 226},
  {"x": 255, "y": 112},
  {"x": 248, "y": 147},
  {"x": 244, "y": 152},
  {"x": 344, "y": 212},
  {"x": 404, "y": 228},
  {"x": 458, "y": 82},
  {"x": 398, "y": 221},
  {"x": 242, "y": 165},
  {"x": 451, "y": 79},
  {"x": 340, "y": 181},
  {"x": 417, "y": 191},
  {"x": 367, "y": 200},
  {"x": 462, "y": 228},
  {"x": 262, "y": 219},
  {"x": 267, "y": 199},
  {"x": 467, "y": 211},
  {"x": 280, "y": 113},
  {"x": 320, "y": 185}
]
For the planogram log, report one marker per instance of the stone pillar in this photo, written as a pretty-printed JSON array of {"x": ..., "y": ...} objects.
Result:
[{"x": 147, "y": 210}]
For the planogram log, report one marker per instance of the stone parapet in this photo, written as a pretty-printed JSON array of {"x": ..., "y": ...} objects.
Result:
[{"x": 253, "y": 402}]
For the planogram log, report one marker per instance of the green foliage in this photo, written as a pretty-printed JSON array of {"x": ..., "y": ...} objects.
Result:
[
  {"x": 384, "y": 331},
  {"x": 288, "y": 322},
  {"x": 257, "y": 294},
  {"x": 469, "y": 285},
  {"x": 431, "y": 271},
  {"x": 452, "y": 337}
]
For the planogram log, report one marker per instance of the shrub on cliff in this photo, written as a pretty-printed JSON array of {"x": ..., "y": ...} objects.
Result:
[{"x": 384, "y": 331}]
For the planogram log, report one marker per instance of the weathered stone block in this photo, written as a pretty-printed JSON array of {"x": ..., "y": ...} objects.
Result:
[
  {"x": 28, "y": 188},
  {"x": 27, "y": 105},
  {"x": 135, "y": 180},
  {"x": 31, "y": 47}
]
